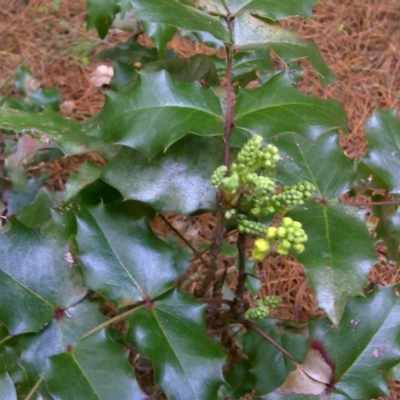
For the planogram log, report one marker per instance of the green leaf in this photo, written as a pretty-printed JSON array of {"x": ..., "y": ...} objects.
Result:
[
  {"x": 251, "y": 33},
  {"x": 178, "y": 180},
  {"x": 96, "y": 368},
  {"x": 174, "y": 13},
  {"x": 7, "y": 389},
  {"x": 68, "y": 135},
  {"x": 172, "y": 333},
  {"x": 365, "y": 345},
  {"x": 276, "y": 107},
  {"x": 339, "y": 253},
  {"x": 160, "y": 34},
  {"x": 156, "y": 112},
  {"x": 272, "y": 9},
  {"x": 34, "y": 279},
  {"x": 100, "y": 14},
  {"x": 301, "y": 160},
  {"x": 63, "y": 332},
  {"x": 383, "y": 157},
  {"x": 121, "y": 257}
]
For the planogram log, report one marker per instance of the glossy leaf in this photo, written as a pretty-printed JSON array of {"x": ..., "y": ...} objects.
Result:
[
  {"x": 173, "y": 12},
  {"x": 301, "y": 160},
  {"x": 339, "y": 253},
  {"x": 63, "y": 332},
  {"x": 172, "y": 333},
  {"x": 178, "y": 180},
  {"x": 276, "y": 107},
  {"x": 156, "y": 112},
  {"x": 70, "y": 136},
  {"x": 95, "y": 368},
  {"x": 365, "y": 345},
  {"x": 160, "y": 34},
  {"x": 34, "y": 279},
  {"x": 100, "y": 14},
  {"x": 7, "y": 389},
  {"x": 251, "y": 33},
  {"x": 383, "y": 157},
  {"x": 121, "y": 257}
]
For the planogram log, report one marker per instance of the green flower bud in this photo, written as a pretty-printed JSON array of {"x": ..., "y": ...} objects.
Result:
[{"x": 281, "y": 232}]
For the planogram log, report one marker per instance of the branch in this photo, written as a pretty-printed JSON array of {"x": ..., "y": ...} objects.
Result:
[
  {"x": 33, "y": 390},
  {"x": 240, "y": 288}
]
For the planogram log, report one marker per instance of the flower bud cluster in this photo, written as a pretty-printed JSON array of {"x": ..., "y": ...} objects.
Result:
[
  {"x": 290, "y": 235},
  {"x": 263, "y": 307},
  {"x": 250, "y": 227}
]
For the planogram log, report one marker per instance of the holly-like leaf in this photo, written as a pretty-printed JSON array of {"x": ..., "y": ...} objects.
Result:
[
  {"x": 301, "y": 160},
  {"x": 172, "y": 333},
  {"x": 156, "y": 112},
  {"x": 95, "y": 368},
  {"x": 251, "y": 33},
  {"x": 70, "y": 136},
  {"x": 365, "y": 345},
  {"x": 178, "y": 180},
  {"x": 160, "y": 34},
  {"x": 173, "y": 12},
  {"x": 383, "y": 157},
  {"x": 34, "y": 279},
  {"x": 100, "y": 14},
  {"x": 339, "y": 253},
  {"x": 65, "y": 329},
  {"x": 276, "y": 107},
  {"x": 7, "y": 389},
  {"x": 121, "y": 257}
]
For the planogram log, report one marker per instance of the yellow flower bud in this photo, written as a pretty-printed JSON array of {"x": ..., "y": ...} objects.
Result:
[
  {"x": 287, "y": 222},
  {"x": 281, "y": 250},
  {"x": 281, "y": 232},
  {"x": 271, "y": 232},
  {"x": 262, "y": 245},
  {"x": 258, "y": 255}
]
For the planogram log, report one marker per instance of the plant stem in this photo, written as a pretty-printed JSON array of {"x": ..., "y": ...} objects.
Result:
[
  {"x": 33, "y": 390},
  {"x": 5, "y": 339},
  {"x": 265, "y": 335},
  {"x": 229, "y": 101},
  {"x": 240, "y": 288}
]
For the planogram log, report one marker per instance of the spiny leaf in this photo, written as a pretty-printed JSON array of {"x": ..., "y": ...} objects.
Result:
[
  {"x": 96, "y": 368},
  {"x": 339, "y": 253},
  {"x": 383, "y": 157},
  {"x": 366, "y": 343},
  {"x": 7, "y": 389},
  {"x": 160, "y": 34},
  {"x": 178, "y": 180},
  {"x": 156, "y": 112},
  {"x": 173, "y": 12},
  {"x": 172, "y": 333},
  {"x": 34, "y": 279},
  {"x": 251, "y": 33},
  {"x": 276, "y": 107},
  {"x": 121, "y": 257},
  {"x": 100, "y": 14}
]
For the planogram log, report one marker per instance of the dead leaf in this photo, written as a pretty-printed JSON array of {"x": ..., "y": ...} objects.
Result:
[{"x": 102, "y": 75}]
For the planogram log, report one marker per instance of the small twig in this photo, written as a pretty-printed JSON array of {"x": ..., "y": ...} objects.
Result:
[
  {"x": 240, "y": 288},
  {"x": 196, "y": 253},
  {"x": 5, "y": 339},
  {"x": 33, "y": 390},
  {"x": 265, "y": 335}
]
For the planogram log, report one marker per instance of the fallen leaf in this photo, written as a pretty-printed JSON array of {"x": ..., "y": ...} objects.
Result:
[{"x": 102, "y": 75}]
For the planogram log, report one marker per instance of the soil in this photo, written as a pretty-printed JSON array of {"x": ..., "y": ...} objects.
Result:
[{"x": 359, "y": 39}]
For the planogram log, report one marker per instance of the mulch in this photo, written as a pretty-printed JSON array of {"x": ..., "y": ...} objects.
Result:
[{"x": 359, "y": 39}]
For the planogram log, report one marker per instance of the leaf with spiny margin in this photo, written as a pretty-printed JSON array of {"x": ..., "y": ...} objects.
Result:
[
  {"x": 251, "y": 33},
  {"x": 7, "y": 389},
  {"x": 63, "y": 331},
  {"x": 276, "y": 107},
  {"x": 95, "y": 368},
  {"x": 121, "y": 257},
  {"x": 173, "y": 12},
  {"x": 35, "y": 279},
  {"x": 178, "y": 180},
  {"x": 156, "y": 112},
  {"x": 172, "y": 333},
  {"x": 100, "y": 14},
  {"x": 160, "y": 34},
  {"x": 70, "y": 136},
  {"x": 338, "y": 255},
  {"x": 365, "y": 345},
  {"x": 301, "y": 160},
  {"x": 383, "y": 157}
]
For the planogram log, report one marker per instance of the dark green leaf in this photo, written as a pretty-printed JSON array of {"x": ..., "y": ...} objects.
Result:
[
  {"x": 96, "y": 368},
  {"x": 122, "y": 259},
  {"x": 339, "y": 253},
  {"x": 34, "y": 279},
  {"x": 22, "y": 78},
  {"x": 100, "y": 14},
  {"x": 160, "y": 34},
  {"x": 276, "y": 107},
  {"x": 7, "y": 389},
  {"x": 47, "y": 97},
  {"x": 301, "y": 160},
  {"x": 383, "y": 157},
  {"x": 156, "y": 112},
  {"x": 252, "y": 33},
  {"x": 366, "y": 343},
  {"x": 172, "y": 333},
  {"x": 174, "y": 13},
  {"x": 178, "y": 180}
]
